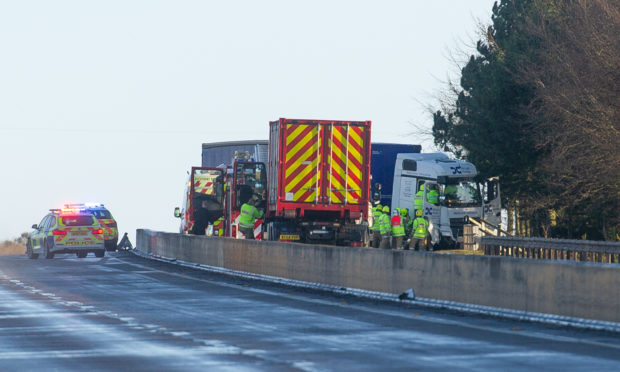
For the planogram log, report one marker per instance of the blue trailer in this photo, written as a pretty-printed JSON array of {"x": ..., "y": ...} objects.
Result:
[{"x": 382, "y": 162}]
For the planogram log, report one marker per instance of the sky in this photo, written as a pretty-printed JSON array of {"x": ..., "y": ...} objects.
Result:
[{"x": 110, "y": 101}]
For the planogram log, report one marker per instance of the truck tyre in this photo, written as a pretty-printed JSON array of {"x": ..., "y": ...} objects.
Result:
[
  {"x": 49, "y": 244},
  {"x": 29, "y": 252},
  {"x": 100, "y": 253}
]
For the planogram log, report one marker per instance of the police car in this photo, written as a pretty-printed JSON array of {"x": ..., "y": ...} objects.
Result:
[
  {"x": 107, "y": 222},
  {"x": 66, "y": 231}
]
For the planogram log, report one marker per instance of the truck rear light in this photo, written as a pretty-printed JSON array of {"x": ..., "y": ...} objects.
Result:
[
  {"x": 290, "y": 213},
  {"x": 59, "y": 232},
  {"x": 98, "y": 231}
]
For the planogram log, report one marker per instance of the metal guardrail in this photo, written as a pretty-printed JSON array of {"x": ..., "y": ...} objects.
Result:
[
  {"x": 552, "y": 249},
  {"x": 487, "y": 227}
]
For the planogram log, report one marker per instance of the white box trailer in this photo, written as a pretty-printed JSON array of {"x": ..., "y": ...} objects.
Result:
[{"x": 218, "y": 154}]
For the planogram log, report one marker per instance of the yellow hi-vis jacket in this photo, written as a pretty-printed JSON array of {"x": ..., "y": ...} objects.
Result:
[
  {"x": 384, "y": 224},
  {"x": 249, "y": 214},
  {"x": 420, "y": 227},
  {"x": 376, "y": 216},
  {"x": 397, "y": 226}
]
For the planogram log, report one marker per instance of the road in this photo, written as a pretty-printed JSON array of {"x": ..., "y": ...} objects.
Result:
[{"x": 126, "y": 313}]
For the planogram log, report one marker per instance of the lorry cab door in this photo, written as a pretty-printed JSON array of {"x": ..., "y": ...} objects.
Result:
[
  {"x": 431, "y": 202},
  {"x": 405, "y": 192},
  {"x": 492, "y": 205},
  {"x": 405, "y": 184}
]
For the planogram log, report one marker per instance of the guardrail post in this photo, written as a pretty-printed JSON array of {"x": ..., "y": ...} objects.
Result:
[
  {"x": 551, "y": 249},
  {"x": 469, "y": 242}
]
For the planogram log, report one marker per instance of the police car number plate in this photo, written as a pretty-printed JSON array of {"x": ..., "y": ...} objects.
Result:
[
  {"x": 289, "y": 237},
  {"x": 79, "y": 233}
]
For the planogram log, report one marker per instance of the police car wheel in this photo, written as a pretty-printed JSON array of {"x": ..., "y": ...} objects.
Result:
[
  {"x": 31, "y": 254},
  {"x": 100, "y": 253},
  {"x": 110, "y": 245},
  {"x": 48, "y": 249}
]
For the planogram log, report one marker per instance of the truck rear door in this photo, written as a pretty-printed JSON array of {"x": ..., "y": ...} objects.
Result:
[
  {"x": 302, "y": 156},
  {"x": 324, "y": 162},
  {"x": 344, "y": 167}
]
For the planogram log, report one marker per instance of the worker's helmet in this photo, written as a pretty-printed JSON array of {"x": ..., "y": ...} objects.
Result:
[
  {"x": 418, "y": 213},
  {"x": 404, "y": 212},
  {"x": 379, "y": 208},
  {"x": 422, "y": 187},
  {"x": 386, "y": 209}
]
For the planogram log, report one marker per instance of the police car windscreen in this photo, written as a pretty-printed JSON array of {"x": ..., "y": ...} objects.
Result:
[
  {"x": 102, "y": 214},
  {"x": 77, "y": 220}
]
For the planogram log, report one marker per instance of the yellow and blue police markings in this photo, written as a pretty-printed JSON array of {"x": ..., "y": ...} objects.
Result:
[
  {"x": 107, "y": 222},
  {"x": 66, "y": 230}
]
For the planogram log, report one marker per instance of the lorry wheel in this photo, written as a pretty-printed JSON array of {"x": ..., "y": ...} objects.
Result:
[{"x": 48, "y": 249}]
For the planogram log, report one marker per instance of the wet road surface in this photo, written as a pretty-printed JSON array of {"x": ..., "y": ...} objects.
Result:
[{"x": 123, "y": 312}]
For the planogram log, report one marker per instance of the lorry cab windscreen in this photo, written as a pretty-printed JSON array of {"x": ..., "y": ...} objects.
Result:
[{"x": 463, "y": 193}]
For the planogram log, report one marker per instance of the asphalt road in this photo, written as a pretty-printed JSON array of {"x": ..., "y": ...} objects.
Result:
[{"x": 123, "y": 312}]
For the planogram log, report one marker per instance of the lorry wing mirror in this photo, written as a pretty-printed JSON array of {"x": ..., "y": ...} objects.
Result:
[{"x": 177, "y": 212}]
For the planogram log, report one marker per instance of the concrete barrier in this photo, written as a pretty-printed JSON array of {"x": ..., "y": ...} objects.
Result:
[{"x": 574, "y": 289}]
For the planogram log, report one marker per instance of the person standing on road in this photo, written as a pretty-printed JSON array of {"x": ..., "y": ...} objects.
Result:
[
  {"x": 375, "y": 228},
  {"x": 249, "y": 214},
  {"x": 398, "y": 230},
  {"x": 420, "y": 232},
  {"x": 384, "y": 228},
  {"x": 406, "y": 221},
  {"x": 201, "y": 219}
]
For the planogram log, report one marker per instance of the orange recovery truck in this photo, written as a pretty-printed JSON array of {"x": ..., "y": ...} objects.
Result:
[{"x": 318, "y": 181}]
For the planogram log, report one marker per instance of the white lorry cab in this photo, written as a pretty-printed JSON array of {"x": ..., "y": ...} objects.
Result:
[{"x": 449, "y": 193}]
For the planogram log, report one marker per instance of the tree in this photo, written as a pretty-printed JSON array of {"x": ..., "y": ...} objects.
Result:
[
  {"x": 576, "y": 108},
  {"x": 538, "y": 107}
]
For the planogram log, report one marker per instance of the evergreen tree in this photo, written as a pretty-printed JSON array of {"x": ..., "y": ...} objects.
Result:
[{"x": 538, "y": 106}]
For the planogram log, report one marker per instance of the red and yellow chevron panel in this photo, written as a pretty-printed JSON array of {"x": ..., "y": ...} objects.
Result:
[
  {"x": 345, "y": 174},
  {"x": 203, "y": 186},
  {"x": 302, "y": 157},
  {"x": 319, "y": 165}
]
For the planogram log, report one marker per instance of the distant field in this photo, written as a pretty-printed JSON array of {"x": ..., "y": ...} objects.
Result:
[{"x": 12, "y": 248}]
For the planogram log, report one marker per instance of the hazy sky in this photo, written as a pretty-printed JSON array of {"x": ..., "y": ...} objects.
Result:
[{"x": 110, "y": 101}]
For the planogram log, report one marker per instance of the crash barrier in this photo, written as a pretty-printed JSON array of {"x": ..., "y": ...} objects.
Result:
[
  {"x": 567, "y": 288},
  {"x": 552, "y": 249}
]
